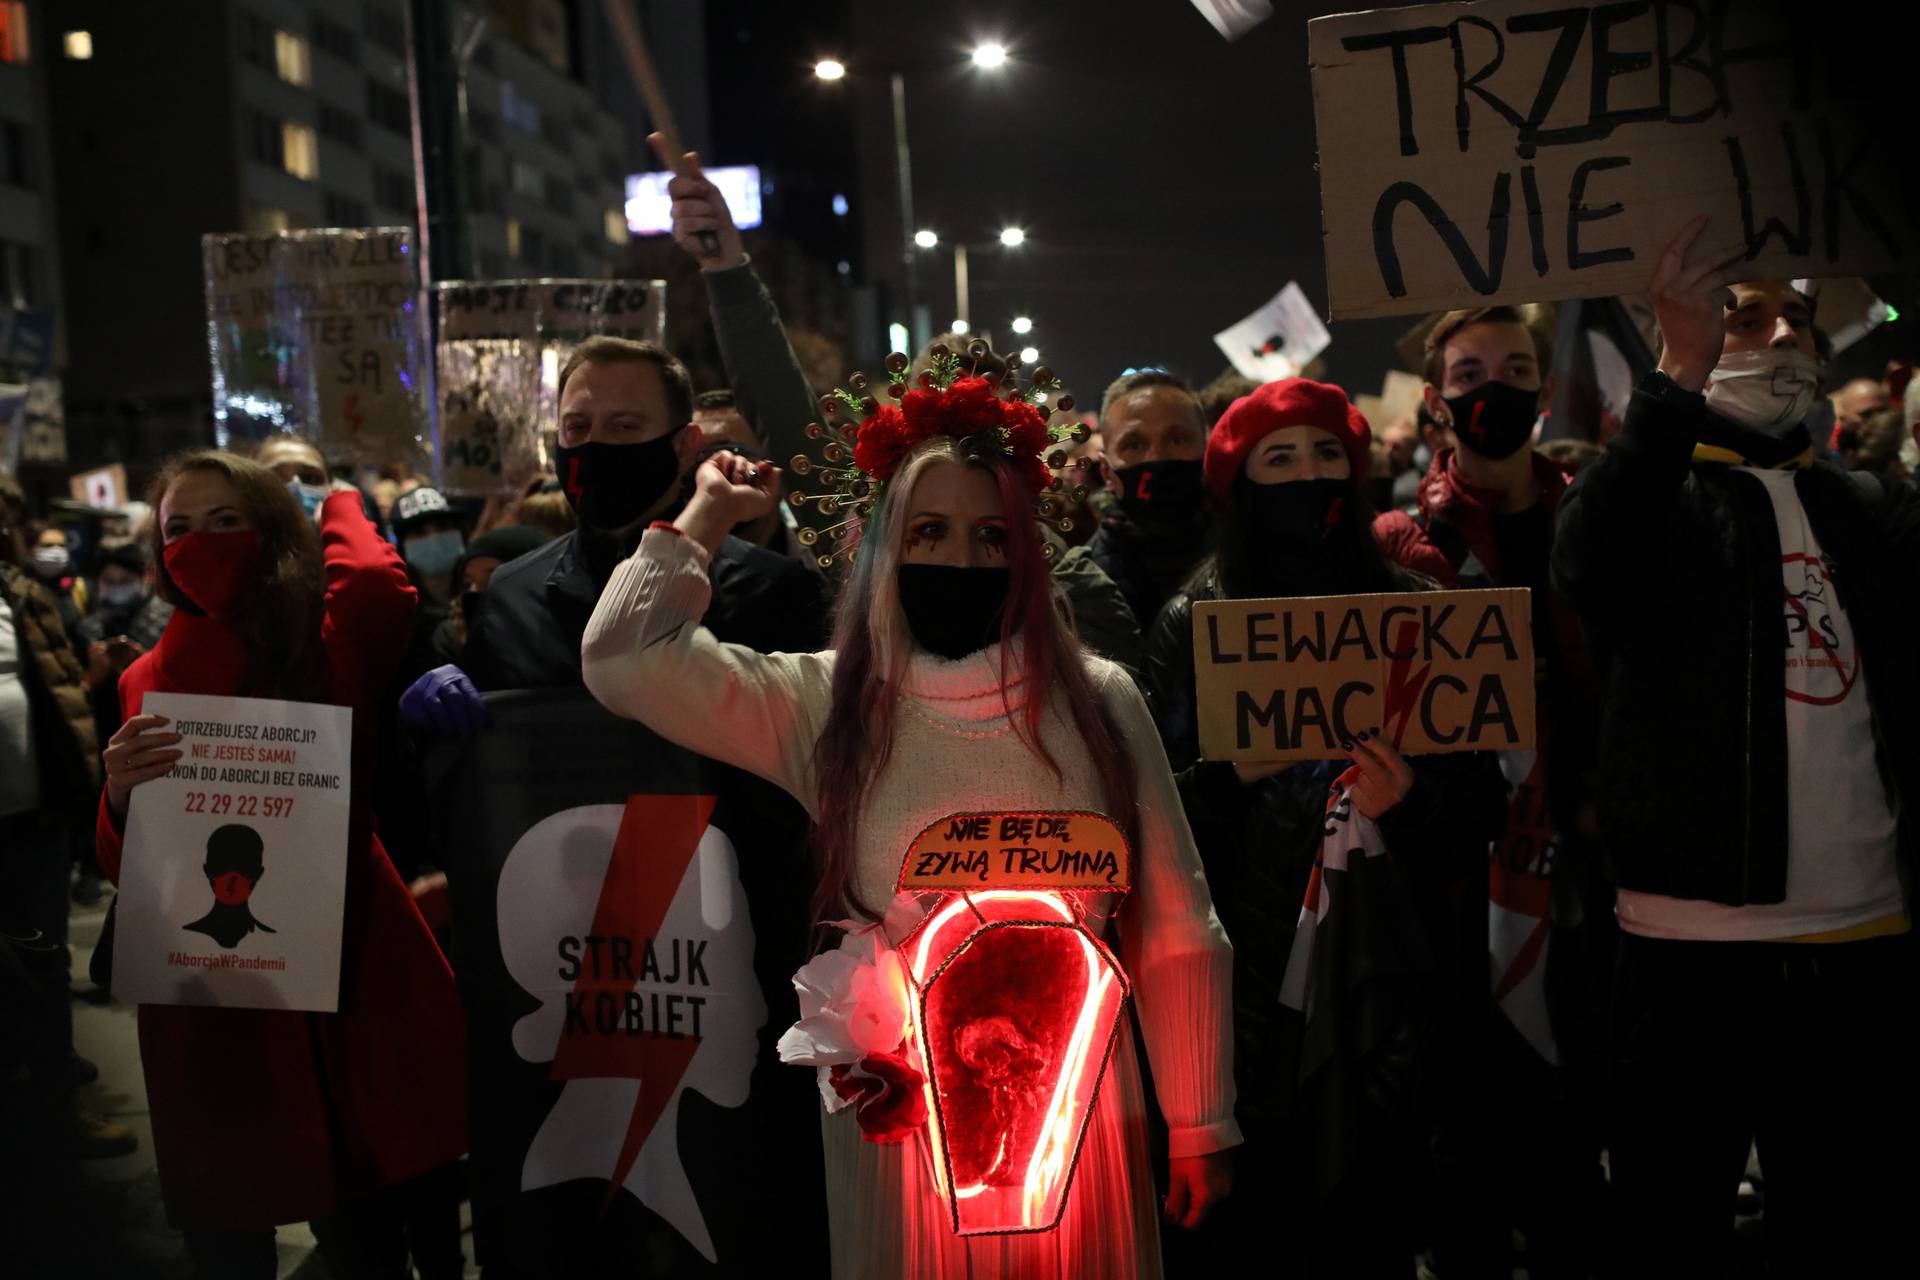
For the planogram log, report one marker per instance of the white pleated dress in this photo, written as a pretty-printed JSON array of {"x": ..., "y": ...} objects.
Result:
[{"x": 955, "y": 750}]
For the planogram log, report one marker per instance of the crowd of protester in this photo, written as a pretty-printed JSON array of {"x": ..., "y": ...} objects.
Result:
[{"x": 1727, "y": 765}]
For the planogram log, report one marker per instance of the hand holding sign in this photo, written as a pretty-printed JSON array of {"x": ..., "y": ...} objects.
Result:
[
  {"x": 702, "y": 223},
  {"x": 1384, "y": 777},
  {"x": 140, "y": 752},
  {"x": 1691, "y": 299}
]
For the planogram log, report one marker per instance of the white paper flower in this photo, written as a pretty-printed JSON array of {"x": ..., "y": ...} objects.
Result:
[{"x": 853, "y": 999}]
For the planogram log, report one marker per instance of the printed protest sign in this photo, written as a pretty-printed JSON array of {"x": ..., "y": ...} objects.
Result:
[
  {"x": 1513, "y": 150},
  {"x": 320, "y": 333},
  {"x": 1018, "y": 851},
  {"x": 501, "y": 346},
  {"x": 233, "y": 882},
  {"x": 1433, "y": 671},
  {"x": 631, "y": 916},
  {"x": 1278, "y": 340}
]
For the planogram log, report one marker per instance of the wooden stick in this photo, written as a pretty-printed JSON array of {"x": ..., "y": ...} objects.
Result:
[{"x": 647, "y": 79}]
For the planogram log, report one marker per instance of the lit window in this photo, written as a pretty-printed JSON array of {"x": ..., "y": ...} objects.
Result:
[
  {"x": 78, "y": 45},
  {"x": 299, "y": 151},
  {"x": 291, "y": 59},
  {"x": 13, "y": 32},
  {"x": 617, "y": 226},
  {"x": 513, "y": 237}
]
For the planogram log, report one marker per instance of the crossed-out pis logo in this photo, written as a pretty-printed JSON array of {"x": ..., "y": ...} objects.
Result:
[
  {"x": 629, "y": 924},
  {"x": 1821, "y": 660}
]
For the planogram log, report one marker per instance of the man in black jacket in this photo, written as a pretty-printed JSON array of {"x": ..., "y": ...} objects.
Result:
[
  {"x": 1758, "y": 781},
  {"x": 1153, "y": 438},
  {"x": 626, "y": 442}
]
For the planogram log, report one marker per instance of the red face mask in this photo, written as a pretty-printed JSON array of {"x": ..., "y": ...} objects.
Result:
[
  {"x": 212, "y": 569},
  {"x": 232, "y": 888}
]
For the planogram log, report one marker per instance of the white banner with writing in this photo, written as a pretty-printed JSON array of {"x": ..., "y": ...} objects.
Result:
[{"x": 233, "y": 882}]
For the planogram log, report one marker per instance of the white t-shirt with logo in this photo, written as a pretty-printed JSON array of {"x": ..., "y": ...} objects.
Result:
[{"x": 1841, "y": 868}]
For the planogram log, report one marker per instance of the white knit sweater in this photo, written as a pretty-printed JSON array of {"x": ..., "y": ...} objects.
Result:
[{"x": 954, "y": 750}]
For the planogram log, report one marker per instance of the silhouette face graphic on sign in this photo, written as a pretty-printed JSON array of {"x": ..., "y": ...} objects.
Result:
[{"x": 234, "y": 866}]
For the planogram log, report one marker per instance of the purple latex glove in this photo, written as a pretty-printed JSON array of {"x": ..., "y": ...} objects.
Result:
[{"x": 444, "y": 701}]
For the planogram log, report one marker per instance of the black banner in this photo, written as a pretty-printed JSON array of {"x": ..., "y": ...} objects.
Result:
[{"x": 628, "y": 917}]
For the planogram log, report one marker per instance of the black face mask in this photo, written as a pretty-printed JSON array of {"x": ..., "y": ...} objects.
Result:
[
  {"x": 1162, "y": 494},
  {"x": 1494, "y": 419},
  {"x": 1296, "y": 517},
  {"x": 953, "y": 610},
  {"x": 612, "y": 485}
]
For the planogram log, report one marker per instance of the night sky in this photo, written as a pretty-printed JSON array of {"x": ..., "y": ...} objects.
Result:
[{"x": 1165, "y": 179}]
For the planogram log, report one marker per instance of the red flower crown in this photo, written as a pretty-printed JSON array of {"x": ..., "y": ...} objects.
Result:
[{"x": 867, "y": 441}]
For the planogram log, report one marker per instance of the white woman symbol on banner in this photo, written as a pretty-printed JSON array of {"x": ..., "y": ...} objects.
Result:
[{"x": 629, "y": 924}]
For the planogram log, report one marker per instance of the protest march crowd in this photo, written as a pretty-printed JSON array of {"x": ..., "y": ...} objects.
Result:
[{"x": 1579, "y": 1006}]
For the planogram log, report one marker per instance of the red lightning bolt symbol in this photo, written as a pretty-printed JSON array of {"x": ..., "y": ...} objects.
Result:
[
  {"x": 657, "y": 840},
  {"x": 1403, "y": 683}
]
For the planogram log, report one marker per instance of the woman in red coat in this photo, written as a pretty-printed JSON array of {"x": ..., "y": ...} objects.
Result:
[{"x": 263, "y": 1116}]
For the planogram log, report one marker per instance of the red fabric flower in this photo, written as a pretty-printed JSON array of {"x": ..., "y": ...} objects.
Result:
[
  {"x": 882, "y": 442},
  {"x": 888, "y": 1095},
  {"x": 1026, "y": 428}
]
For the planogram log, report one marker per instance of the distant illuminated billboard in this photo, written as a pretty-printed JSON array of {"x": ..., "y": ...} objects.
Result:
[{"x": 649, "y": 208}]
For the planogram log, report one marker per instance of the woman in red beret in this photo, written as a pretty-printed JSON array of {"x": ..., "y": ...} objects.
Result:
[{"x": 1334, "y": 1026}]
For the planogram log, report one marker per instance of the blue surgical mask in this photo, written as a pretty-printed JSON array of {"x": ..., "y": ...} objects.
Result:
[
  {"x": 309, "y": 496},
  {"x": 434, "y": 554}
]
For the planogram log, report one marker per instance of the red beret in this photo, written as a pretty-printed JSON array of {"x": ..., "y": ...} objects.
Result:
[{"x": 1290, "y": 402}]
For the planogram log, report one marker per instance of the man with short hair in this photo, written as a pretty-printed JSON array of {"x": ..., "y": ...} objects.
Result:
[
  {"x": 627, "y": 441},
  {"x": 1517, "y": 1143},
  {"x": 1153, "y": 437},
  {"x": 1759, "y": 789},
  {"x": 1857, "y": 401}
]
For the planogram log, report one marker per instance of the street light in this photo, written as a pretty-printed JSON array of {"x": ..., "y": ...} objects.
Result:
[
  {"x": 828, "y": 69},
  {"x": 925, "y": 239},
  {"x": 1023, "y": 324},
  {"x": 989, "y": 57},
  {"x": 1029, "y": 355},
  {"x": 1012, "y": 237},
  {"x": 961, "y": 327}
]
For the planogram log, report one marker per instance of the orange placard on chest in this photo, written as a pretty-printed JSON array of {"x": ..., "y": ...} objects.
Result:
[{"x": 965, "y": 852}]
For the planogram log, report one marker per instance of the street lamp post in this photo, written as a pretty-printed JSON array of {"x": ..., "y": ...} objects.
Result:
[{"x": 991, "y": 56}]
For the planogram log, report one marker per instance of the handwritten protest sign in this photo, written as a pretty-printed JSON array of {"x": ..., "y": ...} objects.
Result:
[
  {"x": 233, "y": 882},
  {"x": 1433, "y": 671},
  {"x": 320, "y": 333},
  {"x": 1511, "y": 150},
  {"x": 1278, "y": 340},
  {"x": 501, "y": 347},
  {"x": 1018, "y": 851}
]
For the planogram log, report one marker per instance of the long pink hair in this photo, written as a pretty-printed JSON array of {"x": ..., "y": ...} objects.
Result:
[{"x": 873, "y": 647}]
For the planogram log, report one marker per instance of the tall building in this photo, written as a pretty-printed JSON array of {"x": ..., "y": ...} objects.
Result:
[
  {"x": 29, "y": 255},
  {"x": 172, "y": 120}
]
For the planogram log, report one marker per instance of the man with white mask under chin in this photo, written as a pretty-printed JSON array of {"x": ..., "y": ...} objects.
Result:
[{"x": 1759, "y": 792}]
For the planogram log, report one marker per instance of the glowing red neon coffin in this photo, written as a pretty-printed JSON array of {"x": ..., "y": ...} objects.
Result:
[{"x": 1016, "y": 1006}]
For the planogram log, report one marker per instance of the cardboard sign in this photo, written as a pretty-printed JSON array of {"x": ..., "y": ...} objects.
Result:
[
  {"x": 104, "y": 489},
  {"x": 1278, "y": 340},
  {"x": 970, "y": 851},
  {"x": 1514, "y": 150},
  {"x": 233, "y": 882},
  {"x": 1432, "y": 670},
  {"x": 502, "y": 344},
  {"x": 43, "y": 424},
  {"x": 321, "y": 333}
]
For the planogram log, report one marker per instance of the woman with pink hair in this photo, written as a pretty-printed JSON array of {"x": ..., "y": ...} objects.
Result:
[{"x": 955, "y": 685}]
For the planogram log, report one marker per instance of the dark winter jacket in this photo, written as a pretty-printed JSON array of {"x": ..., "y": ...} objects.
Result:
[
  {"x": 534, "y": 612},
  {"x": 1675, "y": 568},
  {"x": 1147, "y": 567},
  {"x": 63, "y": 732},
  {"x": 1258, "y": 843}
]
